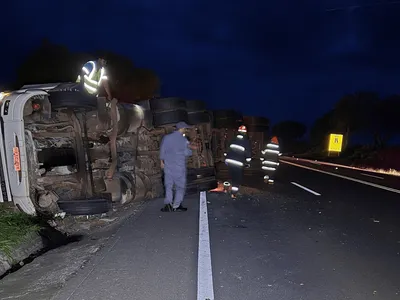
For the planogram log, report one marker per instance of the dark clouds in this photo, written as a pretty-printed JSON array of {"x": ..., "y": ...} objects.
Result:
[{"x": 283, "y": 59}]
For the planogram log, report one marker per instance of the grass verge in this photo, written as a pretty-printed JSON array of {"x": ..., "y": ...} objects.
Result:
[{"x": 14, "y": 228}]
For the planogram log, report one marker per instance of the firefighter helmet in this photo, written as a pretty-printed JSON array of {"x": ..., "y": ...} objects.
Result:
[
  {"x": 274, "y": 140},
  {"x": 242, "y": 129}
]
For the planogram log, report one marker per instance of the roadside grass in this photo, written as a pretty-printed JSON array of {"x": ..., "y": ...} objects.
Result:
[{"x": 15, "y": 227}]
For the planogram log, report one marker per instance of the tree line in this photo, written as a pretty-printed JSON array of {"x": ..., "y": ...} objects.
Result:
[
  {"x": 361, "y": 112},
  {"x": 55, "y": 63}
]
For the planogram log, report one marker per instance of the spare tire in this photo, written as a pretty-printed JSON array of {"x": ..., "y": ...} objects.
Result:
[
  {"x": 72, "y": 99},
  {"x": 167, "y": 104},
  {"x": 170, "y": 117},
  {"x": 93, "y": 206}
]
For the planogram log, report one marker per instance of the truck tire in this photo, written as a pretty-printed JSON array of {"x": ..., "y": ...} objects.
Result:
[
  {"x": 198, "y": 117},
  {"x": 170, "y": 117},
  {"x": 167, "y": 104},
  {"x": 196, "y": 106},
  {"x": 205, "y": 184},
  {"x": 196, "y": 174},
  {"x": 93, "y": 206},
  {"x": 71, "y": 99}
]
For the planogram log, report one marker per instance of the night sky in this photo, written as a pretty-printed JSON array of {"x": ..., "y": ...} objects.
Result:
[{"x": 280, "y": 59}]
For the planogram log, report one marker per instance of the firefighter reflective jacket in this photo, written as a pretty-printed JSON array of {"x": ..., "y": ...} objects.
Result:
[
  {"x": 270, "y": 155},
  {"x": 239, "y": 151}
]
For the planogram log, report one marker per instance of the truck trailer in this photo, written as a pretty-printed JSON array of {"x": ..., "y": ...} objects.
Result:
[{"x": 63, "y": 151}]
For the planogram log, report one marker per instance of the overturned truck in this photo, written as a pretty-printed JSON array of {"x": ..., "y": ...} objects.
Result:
[{"x": 62, "y": 150}]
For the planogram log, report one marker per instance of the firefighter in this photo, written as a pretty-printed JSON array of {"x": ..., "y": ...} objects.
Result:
[
  {"x": 270, "y": 160},
  {"x": 237, "y": 156}
]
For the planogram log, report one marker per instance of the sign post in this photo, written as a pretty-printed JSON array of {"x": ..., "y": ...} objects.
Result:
[{"x": 335, "y": 143}]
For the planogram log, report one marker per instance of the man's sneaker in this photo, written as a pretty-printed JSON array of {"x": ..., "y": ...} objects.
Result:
[
  {"x": 233, "y": 196},
  {"x": 180, "y": 208},
  {"x": 167, "y": 208}
]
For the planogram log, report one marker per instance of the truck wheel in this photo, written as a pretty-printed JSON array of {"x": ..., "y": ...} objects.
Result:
[
  {"x": 170, "y": 117},
  {"x": 198, "y": 117},
  {"x": 72, "y": 99},
  {"x": 195, "y": 105},
  {"x": 167, "y": 104},
  {"x": 93, "y": 206}
]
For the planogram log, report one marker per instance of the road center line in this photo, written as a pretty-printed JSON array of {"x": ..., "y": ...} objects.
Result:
[
  {"x": 345, "y": 177},
  {"x": 306, "y": 189},
  {"x": 372, "y": 176},
  {"x": 205, "y": 289}
]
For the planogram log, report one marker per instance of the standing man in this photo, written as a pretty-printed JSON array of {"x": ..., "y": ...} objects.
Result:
[
  {"x": 238, "y": 155},
  {"x": 270, "y": 160},
  {"x": 174, "y": 150}
]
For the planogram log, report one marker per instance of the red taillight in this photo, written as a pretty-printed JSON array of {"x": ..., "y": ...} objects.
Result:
[{"x": 36, "y": 106}]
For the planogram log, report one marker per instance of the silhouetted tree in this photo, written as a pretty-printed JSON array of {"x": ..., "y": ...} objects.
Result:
[
  {"x": 143, "y": 84},
  {"x": 321, "y": 129},
  {"x": 289, "y": 130},
  {"x": 48, "y": 63},
  {"x": 385, "y": 120},
  {"x": 353, "y": 113}
]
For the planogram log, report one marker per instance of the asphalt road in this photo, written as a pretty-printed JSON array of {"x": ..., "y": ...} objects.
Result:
[{"x": 311, "y": 236}]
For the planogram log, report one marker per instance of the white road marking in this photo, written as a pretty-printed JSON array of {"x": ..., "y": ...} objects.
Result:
[
  {"x": 372, "y": 176},
  {"x": 345, "y": 177},
  {"x": 306, "y": 189},
  {"x": 205, "y": 288}
]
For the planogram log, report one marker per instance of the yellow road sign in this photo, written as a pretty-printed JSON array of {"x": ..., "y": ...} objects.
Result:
[{"x": 335, "y": 142}]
